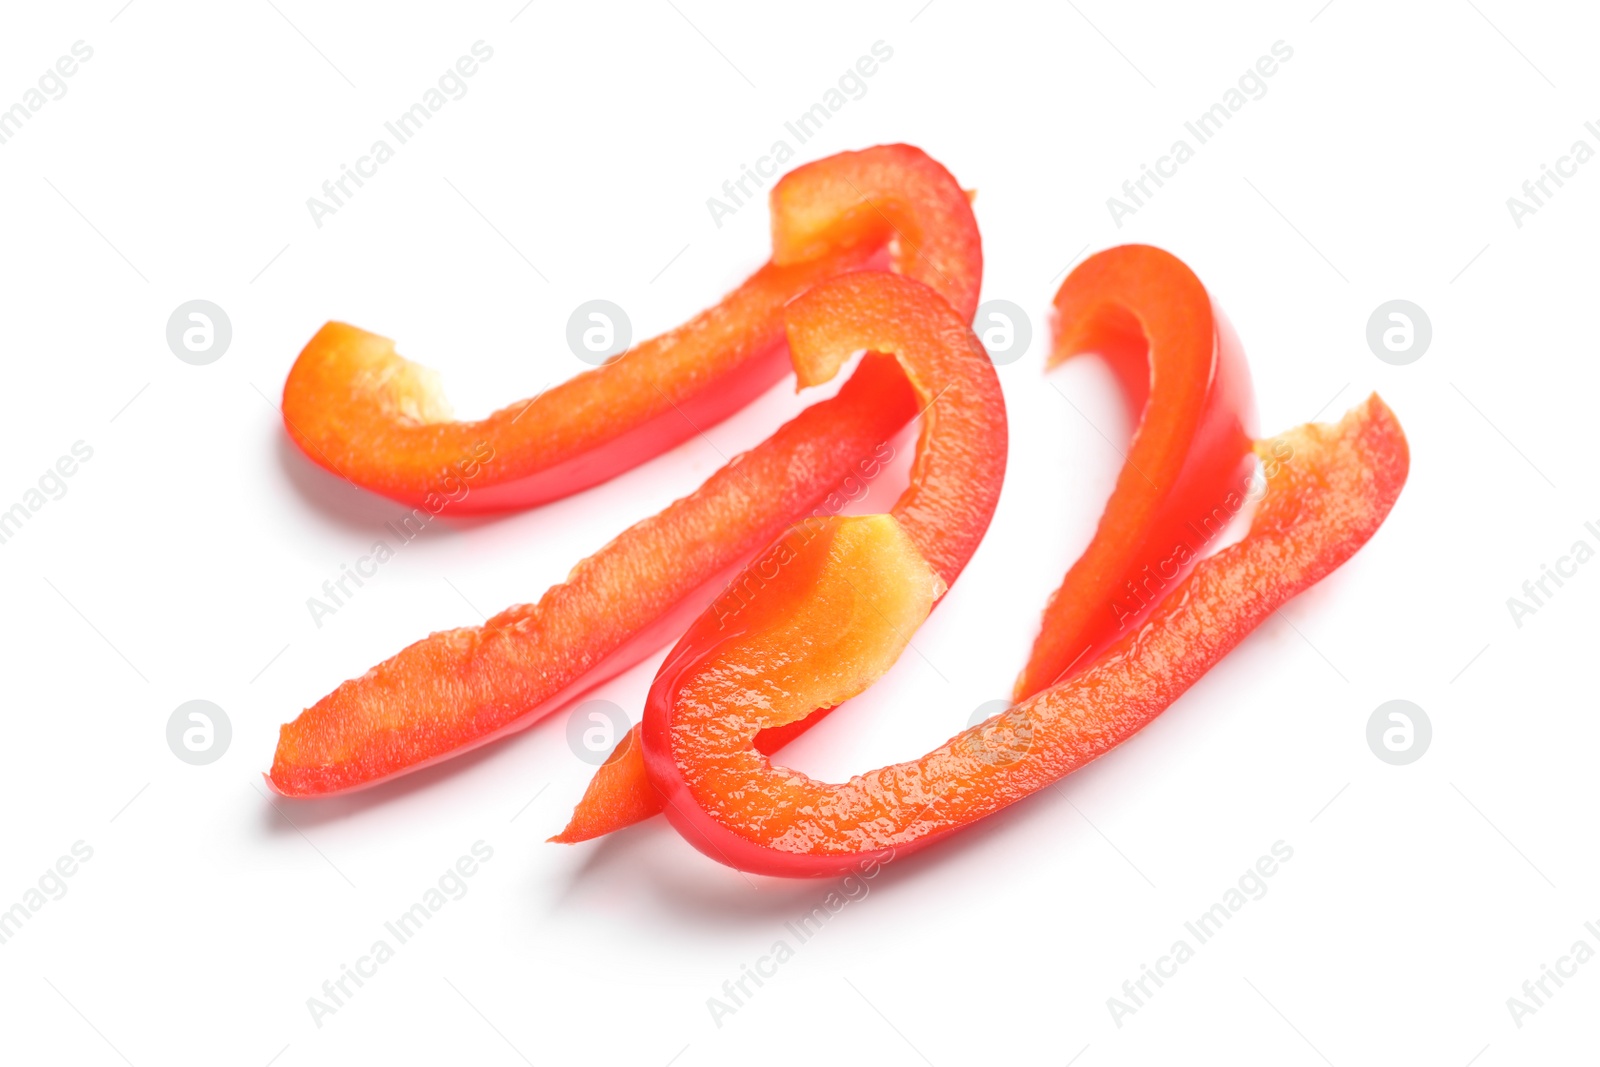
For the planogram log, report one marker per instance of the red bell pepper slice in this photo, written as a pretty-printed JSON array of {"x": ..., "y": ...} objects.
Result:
[
  {"x": 365, "y": 413},
  {"x": 825, "y": 627},
  {"x": 1182, "y": 368},
  {"x": 461, "y": 688},
  {"x": 944, "y": 511},
  {"x": 1186, "y": 468}
]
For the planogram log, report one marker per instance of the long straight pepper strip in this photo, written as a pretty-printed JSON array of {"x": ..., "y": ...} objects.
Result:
[
  {"x": 1181, "y": 367},
  {"x": 357, "y": 408},
  {"x": 461, "y": 688}
]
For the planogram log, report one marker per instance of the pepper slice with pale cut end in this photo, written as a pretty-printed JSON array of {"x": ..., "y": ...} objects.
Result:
[{"x": 357, "y": 408}]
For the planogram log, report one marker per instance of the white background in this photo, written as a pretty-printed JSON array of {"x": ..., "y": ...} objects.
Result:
[{"x": 178, "y": 564}]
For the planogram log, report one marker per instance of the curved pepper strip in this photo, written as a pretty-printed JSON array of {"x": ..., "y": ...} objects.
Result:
[
  {"x": 461, "y": 688},
  {"x": 1184, "y": 476},
  {"x": 825, "y": 629},
  {"x": 944, "y": 511},
  {"x": 360, "y": 410},
  {"x": 1183, "y": 370}
]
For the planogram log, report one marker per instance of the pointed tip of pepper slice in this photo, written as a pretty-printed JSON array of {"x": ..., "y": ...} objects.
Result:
[{"x": 613, "y": 799}]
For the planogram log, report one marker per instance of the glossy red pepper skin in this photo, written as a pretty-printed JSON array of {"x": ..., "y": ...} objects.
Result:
[
  {"x": 946, "y": 507},
  {"x": 1328, "y": 489},
  {"x": 1182, "y": 368},
  {"x": 358, "y": 409}
]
